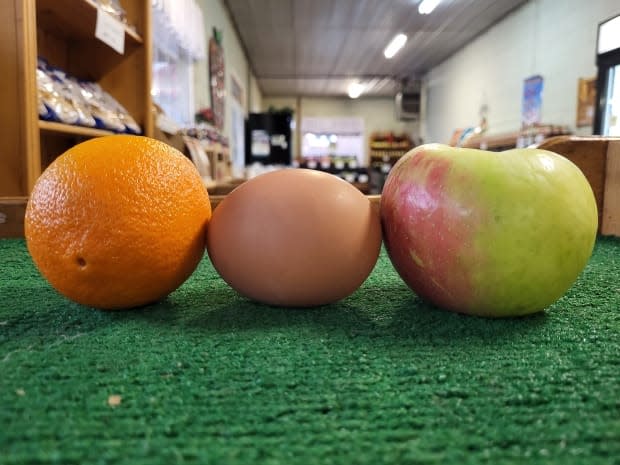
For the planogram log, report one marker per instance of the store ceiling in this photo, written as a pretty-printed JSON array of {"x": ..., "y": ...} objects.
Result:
[{"x": 317, "y": 47}]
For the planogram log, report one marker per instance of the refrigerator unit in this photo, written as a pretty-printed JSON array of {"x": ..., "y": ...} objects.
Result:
[
  {"x": 268, "y": 138},
  {"x": 607, "y": 116}
]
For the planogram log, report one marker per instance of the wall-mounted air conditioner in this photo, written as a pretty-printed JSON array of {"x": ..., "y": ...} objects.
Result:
[{"x": 407, "y": 102}]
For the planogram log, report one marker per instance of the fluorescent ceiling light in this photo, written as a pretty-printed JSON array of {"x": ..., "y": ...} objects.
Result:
[
  {"x": 395, "y": 45},
  {"x": 355, "y": 89},
  {"x": 426, "y": 6}
]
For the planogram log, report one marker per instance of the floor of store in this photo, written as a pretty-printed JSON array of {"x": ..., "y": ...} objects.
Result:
[{"x": 206, "y": 376}]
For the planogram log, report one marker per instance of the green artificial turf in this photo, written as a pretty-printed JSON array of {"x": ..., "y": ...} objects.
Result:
[{"x": 208, "y": 377}]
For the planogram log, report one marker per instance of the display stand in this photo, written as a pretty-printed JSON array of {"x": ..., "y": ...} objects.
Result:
[
  {"x": 599, "y": 160},
  {"x": 62, "y": 32}
]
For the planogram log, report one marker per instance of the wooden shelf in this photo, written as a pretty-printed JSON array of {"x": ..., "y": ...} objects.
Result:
[
  {"x": 68, "y": 129},
  {"x": 63, "y": 33},
  {"x": 59, "y": 17}
]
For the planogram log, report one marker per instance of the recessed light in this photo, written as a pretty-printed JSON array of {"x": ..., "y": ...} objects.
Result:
[
  {"x": 395, "y": 45},
  {"x": 427, "y": 6},
  {"x": 355, "y": 89}
]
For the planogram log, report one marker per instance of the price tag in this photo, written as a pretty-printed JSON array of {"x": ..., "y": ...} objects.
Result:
[{"x": 110, "y": 31}]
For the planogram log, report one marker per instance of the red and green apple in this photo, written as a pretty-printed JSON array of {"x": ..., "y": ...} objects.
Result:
[{"x": 488, "y": 233}]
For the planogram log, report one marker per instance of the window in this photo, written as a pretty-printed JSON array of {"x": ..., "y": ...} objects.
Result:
[
  {"x": 173, "y": 86},
  {"x": 178, "y": 28},
  {"x": 332, "y": 137}
]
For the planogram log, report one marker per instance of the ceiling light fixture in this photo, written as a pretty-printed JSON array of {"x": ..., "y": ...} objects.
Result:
[
  {"x": 395, "y": 45},
  {"x": 427, "y": 6},
  {"x": 355, "y": 89}
]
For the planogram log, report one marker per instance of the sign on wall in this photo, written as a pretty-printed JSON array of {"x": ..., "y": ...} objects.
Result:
[
  {"x": 217, "y": 79},
  {"x": 586, "y": 96},
  {"x": 532, "y": 101}
]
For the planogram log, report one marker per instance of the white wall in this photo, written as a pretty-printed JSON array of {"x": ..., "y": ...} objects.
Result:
[
  {"x": 555, "y": 39},
  {"x": 234, "y": 62},
  {"x": 255, "y": 96},
  {"x": 378, "y": 113}
]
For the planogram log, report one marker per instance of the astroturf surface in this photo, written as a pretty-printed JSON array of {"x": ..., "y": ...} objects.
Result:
[{"x": 209, "y": 377}]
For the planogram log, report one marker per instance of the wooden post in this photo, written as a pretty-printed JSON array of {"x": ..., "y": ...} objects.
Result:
[{"x": 611, "y": 206}]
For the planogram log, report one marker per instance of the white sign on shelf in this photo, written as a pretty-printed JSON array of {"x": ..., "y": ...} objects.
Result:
[{"x": 110, "y": 31}]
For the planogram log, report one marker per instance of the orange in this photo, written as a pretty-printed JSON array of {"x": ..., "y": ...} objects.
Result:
[{"x": 118, "y": 221}]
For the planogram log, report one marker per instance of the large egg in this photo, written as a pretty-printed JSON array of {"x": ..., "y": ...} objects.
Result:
[{"x": 295, "y": 238}]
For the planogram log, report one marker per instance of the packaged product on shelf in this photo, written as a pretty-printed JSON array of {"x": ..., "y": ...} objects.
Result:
[
  {"x": 43, "y": 111},
  {"x": 120, "y": 111},
  {"x": 64, "y": 99},
  {"x": 104, "y": 116},
  {"x": 69, "y": 88},
  {"x": 51, "y": 95}
]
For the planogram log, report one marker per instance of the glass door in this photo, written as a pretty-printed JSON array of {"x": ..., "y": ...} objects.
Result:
[{"x": 610, "y": 125}]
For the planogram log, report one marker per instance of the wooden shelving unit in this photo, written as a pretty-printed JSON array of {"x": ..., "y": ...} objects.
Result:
[
  {"x": 385, "y": 151},
  {"x": 388, "y": 147},
  {"x": 63, "y": 33}
]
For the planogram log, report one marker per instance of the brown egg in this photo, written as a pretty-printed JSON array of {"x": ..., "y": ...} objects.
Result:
[{"x": 294, "y": 237}]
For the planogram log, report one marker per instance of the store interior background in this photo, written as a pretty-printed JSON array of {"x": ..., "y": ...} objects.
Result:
[{"x": 556, "y": 40}]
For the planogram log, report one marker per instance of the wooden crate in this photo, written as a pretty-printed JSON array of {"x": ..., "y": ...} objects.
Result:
[{"x": 599, "y": 159}]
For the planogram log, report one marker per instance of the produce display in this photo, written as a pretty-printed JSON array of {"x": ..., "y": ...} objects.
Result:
[
  {"x": 482, "y": 233},
  {"x": 65, "y": 99}
]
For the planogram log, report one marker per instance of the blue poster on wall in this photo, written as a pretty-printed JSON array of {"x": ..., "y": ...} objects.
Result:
[{"x": 532, "y": 101}]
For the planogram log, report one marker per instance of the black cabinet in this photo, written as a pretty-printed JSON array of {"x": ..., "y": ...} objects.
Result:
[{"x": 268, "y": 139}]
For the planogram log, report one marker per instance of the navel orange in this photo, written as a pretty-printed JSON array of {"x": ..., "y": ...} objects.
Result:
[{"x": 118, "y": 221}]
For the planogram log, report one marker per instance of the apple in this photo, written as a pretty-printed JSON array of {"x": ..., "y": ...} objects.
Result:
[{"x": 493, "y": 234}]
